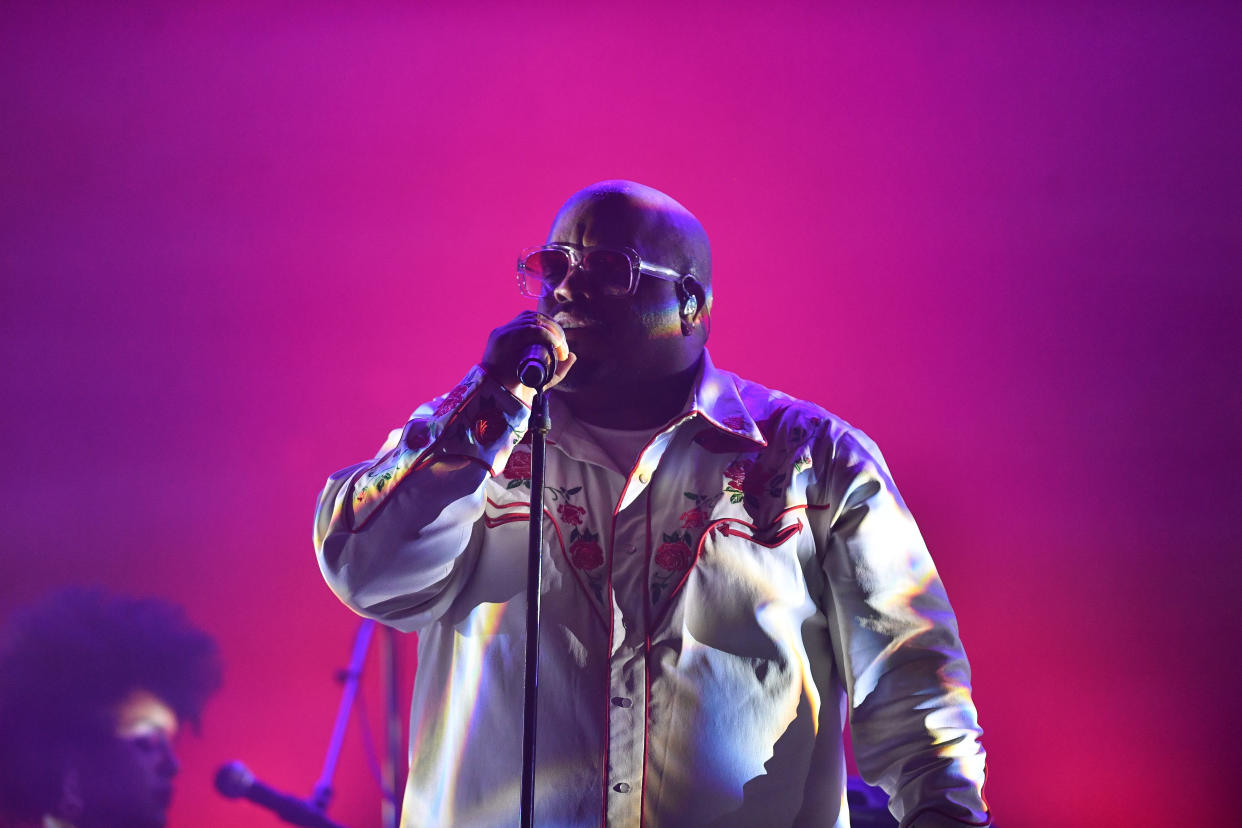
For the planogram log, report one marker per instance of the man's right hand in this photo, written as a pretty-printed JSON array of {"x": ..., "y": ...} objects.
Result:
[{"x": 507, "y": 343}]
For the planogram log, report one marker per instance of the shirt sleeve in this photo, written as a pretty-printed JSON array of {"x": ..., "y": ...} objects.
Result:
[
  {"x": 396, "y": 536},
  {"x": 914, "y": 727}
]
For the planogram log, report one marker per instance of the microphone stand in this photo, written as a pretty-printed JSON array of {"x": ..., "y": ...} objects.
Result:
[
  {"x": 350, "y": 677},
  {"x": 539, "y": 428},
  {"x": 235, "y": 780}
]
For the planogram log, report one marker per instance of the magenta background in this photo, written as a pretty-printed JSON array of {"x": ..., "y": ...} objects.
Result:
[{"x": 240, "y": 245}]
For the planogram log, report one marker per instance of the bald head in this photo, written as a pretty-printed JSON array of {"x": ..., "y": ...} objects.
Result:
[
  {"x": 656, "y": 333},
  {"x": 630, "y": 214}
]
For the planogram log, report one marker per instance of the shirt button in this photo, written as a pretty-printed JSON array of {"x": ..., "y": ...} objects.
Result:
[
  {"x": 628, "y": 549},
  {"x": 643, "y": 477},
  {"x": 621, "y": 787},
  {"x": 621, "y": 702}
]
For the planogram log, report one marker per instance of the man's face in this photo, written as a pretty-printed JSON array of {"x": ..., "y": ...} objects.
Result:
[
  {"x": 127, "y": 781},
  {"x": 621, "y": 338}
]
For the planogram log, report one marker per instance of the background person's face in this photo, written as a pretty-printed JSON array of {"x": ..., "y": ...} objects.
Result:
[{"x": 128, "y": 779}]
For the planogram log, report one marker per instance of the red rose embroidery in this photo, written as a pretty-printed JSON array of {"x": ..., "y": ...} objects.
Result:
[
  {"x": 735, "y": 423},
  {"x": 692, "y": 519},
  {"x": 453, "y": 400},
  {"x": 673, "y": 556},
  {"x": 518, "y": 467},
  {"x": 737, "y": 472},
  {"x": 571, "y": 513},
  {"x": 586, "y": 554}
]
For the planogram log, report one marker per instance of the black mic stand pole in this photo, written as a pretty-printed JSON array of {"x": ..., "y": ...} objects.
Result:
[{"x": 539, "y": 427}]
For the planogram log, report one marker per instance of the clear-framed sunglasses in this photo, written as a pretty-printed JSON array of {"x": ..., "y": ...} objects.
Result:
[{"x": 614, "y": 271}]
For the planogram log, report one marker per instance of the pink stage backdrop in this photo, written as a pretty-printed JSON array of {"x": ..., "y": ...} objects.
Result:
[{"x": 240, "y": 244}]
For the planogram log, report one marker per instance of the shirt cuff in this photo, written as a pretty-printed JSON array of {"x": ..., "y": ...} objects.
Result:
[{"x": 479, "y": 419}]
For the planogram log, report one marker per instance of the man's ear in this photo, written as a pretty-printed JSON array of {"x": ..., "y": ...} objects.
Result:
[
  {"x": 690, "y": 296},
  {"x": 692, "y": 300}
]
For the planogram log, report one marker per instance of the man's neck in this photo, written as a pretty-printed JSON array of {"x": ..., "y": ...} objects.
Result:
[{"x": 633, "y": 405}]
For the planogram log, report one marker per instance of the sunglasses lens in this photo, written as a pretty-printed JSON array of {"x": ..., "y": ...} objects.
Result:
[
  {"x": 544, "y": 270},
  {"x": 611, "y": 270}
]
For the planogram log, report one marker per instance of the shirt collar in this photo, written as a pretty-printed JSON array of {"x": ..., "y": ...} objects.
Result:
[{"x": 718, "y": 401}]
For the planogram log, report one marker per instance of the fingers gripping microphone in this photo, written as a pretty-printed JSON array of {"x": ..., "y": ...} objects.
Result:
[
  {"x": 235, "y": 780},
  {"x": 536, "y": 366}
]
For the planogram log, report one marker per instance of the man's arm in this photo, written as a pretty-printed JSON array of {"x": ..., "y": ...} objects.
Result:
[
  {"x": 397, "y": 537},
  {"x": 393, "y": 536},
  {"x": 914, "y": 727}
]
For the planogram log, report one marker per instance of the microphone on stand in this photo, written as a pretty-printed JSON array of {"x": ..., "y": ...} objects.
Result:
[
  {"x": 235, "y": 780},
  {"x": 536, "y": 366}
]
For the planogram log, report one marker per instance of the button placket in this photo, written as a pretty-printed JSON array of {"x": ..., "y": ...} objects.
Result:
[{"x": 626, "y": 737}]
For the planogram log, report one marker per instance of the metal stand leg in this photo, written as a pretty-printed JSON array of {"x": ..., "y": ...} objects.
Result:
[{"x": 393, "y": 759}]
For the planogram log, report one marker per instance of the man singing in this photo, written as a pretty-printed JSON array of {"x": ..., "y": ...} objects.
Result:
[{"x": 728, "y": 572}]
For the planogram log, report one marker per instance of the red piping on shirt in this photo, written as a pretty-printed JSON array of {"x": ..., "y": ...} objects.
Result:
[
  {"x": 492, "y": 523},
  {"x": 612, "y": 611},
  {"x": 630, "y": 477},
  {"x": 387, "y": 498},
  {"x": 782, "y": 536},
  {"x": 642, "y": 800},
  {"x": 514, "y": 505},
  {"x": 565, "y": 554},
  {"x": 422, "y": 459}
]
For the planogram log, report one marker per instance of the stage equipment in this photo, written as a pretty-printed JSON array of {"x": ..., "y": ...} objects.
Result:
[
  {"x": 539, "y": 425},
  {"x": 235, "y": 779}
]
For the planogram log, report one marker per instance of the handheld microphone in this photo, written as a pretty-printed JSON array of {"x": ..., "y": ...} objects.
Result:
[
  {"x": 536, "y": 366},
  {"x": 235, "y": 780}
]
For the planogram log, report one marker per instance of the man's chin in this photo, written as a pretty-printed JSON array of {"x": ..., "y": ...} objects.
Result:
[{"x": 586, "y": 374}]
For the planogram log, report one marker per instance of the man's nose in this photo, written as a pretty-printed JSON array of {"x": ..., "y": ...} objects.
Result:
[{"x": 575, "y": 285}]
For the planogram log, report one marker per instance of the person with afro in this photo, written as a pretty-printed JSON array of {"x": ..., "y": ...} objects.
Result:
[{"x": 93, "y": 688}]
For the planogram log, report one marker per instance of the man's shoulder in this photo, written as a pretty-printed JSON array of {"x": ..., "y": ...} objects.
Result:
[
  {"x": 776, "y": 412},
  {"x": 796, "y": 428}
]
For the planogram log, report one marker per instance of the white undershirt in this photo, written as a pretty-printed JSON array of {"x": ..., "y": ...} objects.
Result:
[{"x": 620, "y": 445}]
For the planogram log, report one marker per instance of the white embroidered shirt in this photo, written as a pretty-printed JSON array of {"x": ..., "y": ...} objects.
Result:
[{"x": 778, "y": 588}]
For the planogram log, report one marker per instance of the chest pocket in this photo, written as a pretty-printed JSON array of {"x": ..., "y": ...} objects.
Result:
[{"x": 747, "y": 594}]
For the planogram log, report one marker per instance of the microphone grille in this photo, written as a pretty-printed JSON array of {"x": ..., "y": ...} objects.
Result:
[{"x": 234, "y": 779}]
